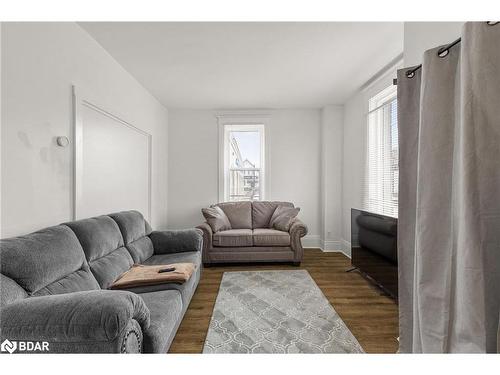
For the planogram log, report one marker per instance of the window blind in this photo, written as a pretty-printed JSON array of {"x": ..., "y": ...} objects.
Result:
[{"x": 382, "y": 172}]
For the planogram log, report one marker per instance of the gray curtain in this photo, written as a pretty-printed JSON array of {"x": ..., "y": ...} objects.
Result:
[{"x": 449, "y": 197}]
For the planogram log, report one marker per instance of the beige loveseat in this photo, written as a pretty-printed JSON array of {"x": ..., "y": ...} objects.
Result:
[{"x": 250, "y": 238}]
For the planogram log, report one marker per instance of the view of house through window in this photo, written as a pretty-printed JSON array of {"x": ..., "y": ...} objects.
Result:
[
  {"x": 244, "y": 172},
  {"x": 381, "y": 187}
]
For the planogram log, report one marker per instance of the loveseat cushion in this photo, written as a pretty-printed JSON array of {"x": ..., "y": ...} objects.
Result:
[
  {"x": 270, "y": 237},
  {"x": 50, "y": 261},
  {"x": 104, "y": 248},
  {"x": 216, "y": 218},
  {"x": 262, "y": 211},
  {"x": 135, "y": 230},
  {"x": 283, "y": 217},
  {"x": 238, "y": 213},
  {"x": 165, "y": 308},
  {"x": 233, "y": 238}
]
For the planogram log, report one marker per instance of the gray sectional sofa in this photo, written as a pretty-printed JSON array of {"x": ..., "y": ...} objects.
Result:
[
  {"x": 251, "y": 239},
  {"x": 54, "y": 282}
]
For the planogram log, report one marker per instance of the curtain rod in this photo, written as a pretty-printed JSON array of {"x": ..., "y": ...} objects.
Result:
[{"x": 442, "y": 52}]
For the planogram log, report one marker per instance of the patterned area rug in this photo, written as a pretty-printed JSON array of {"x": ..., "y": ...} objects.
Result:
[{"x": 275, "y": 312}]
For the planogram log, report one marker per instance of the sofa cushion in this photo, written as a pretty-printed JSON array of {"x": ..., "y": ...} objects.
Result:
[
  {"x": 165, "y": 309},
  {"x": 104, "y": 249},
  {"x": 186, "y": 289},
  {"x": 283, "y": 217},
  {"x": 270, "y": 237},
  {"x": 50, "y": 261},
  {"x": 238, "y": 213},
  {"x": 141, "y": 249},
  {"x": 10, "y": 291},
  {"x": 216, "y": 218},
  {"x": 135, "y": 229},
  {"x": 233, "y": 238},
  {"x": 262, "y": 212},
  {"x": 132, "y": 225}
]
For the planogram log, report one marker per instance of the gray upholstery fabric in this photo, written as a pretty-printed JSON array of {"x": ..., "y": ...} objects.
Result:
[
  {"x": 74, "y": 319},
  {"x": 50, "y": 261},
  {"x": 233, "y": 238},
  {"x": 238, "y": 213},
  {"x": 270, "y": 237},
  {"x": 262, "y": 212},
  {"x": 54, "y": 260},
  {"x": 184, "y": 257},
  {"x": 252, "y": 254},
  {"x": 134, "y": 230},
  {"x": 237, "y": 246},
  {"x": 166, "y": 314},
  {"x": 297, "y": 231},
  {"x": 283, "y": 217},
  {"x": 132, "y": 225},
  {"x": 104, "y": 249},
  {"x": 188, "y": 288},
  {"x": 10, "y": 291},
  {"x": 176, "y": 241},
  {"x": 141, "y": 249},
  {"x": 216, "y": 218}
]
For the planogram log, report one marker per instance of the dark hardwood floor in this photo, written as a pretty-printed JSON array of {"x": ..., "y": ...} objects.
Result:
[{"x": 371, "y": 316}]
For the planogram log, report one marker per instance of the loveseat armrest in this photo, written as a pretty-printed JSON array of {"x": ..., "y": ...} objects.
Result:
[
  {"x": 176, "y": 241},
  {"x": 97, "y": 321},
  {"x": 297, "y": 230}
]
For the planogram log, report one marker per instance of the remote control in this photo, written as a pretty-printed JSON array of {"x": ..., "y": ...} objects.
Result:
[{"x": 167, "y": 270}]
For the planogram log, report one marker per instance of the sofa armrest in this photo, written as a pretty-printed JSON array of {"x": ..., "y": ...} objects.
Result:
[
  {"x": 176, "y": 241},
  {"x": 207, "y": 240},
  {"x": 91, "y": 321},
  {"x": 297, "y": 230}
]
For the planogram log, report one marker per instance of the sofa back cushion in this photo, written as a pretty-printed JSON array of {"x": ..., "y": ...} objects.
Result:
[
  {"x": 104, "y": 249},
  {"x": 238, "y": 213},
  {"x": 135, "y": 231},
  {"x": 50, "y": 261},
  {"x": 262, "y": 211}
]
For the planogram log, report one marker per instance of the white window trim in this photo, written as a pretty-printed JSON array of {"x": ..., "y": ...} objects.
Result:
[{"x": 254, "y": 122}]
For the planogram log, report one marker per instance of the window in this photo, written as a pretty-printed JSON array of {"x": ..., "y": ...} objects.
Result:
[
  {"x": 381, "y": 187},
  {"x": 243, "y": 172}
]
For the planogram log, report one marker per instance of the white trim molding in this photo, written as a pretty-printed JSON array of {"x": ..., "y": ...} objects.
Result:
[
  {"x": 331, "y": 246},
  {"x": 78, "y": 104},
  {"x": 314, "y": 241},
  {"x": 311, "y": 241},
  {"x": 345, "y": 247}
]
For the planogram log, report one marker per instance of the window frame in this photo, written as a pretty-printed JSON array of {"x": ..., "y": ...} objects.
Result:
[
  {"x": 377, "y": 103},
  {"x": 246, "y": 122}
]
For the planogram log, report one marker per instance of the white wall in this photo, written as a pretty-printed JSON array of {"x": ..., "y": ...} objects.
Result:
[
  {"x": 354, "y": 152},
  {"x": 421, "y": 36},
  {"x": 40, "y": 63},
  {"x": 295, "y": 162},
  {"x": 332, "y": 127}
]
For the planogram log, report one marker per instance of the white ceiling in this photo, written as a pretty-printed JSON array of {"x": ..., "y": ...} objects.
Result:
[{"x": 250, "y": 65}]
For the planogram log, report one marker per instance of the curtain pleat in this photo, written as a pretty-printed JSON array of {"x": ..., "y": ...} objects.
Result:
[
  {"x": 408, "y": 130},
  {"x": 449, "y": 218}
]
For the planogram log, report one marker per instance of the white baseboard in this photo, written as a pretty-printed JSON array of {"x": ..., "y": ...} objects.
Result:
[
  {"x": 327, "y": 246},
  {"x": 346, "y": 247},
  {"x": 330, "y": 245},
  {"x": 311, "y": 241}
]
